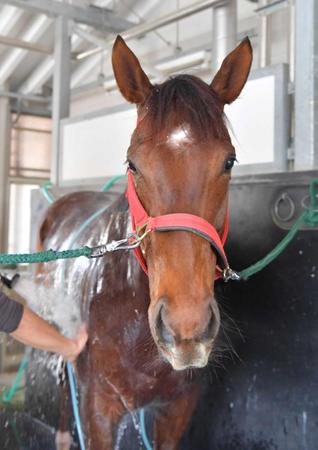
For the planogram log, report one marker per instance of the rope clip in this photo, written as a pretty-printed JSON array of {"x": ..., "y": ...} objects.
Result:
[
  {"x": 129, "y": 243},
  {"x": 229, "y": 274}
]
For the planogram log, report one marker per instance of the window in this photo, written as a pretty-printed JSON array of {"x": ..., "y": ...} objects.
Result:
[
  {"x": 30, "y": 147},
  {"x": 30, "y": 160},
  {"x": 20, "y": 217}
]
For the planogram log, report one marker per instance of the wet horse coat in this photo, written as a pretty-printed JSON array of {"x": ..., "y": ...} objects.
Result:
[{"x": 144, "y": 334}]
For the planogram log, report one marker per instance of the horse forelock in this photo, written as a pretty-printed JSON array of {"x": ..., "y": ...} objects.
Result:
[{"x": 186, "y": 99}]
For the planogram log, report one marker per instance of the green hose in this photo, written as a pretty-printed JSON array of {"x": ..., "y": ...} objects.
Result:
[
  {"x": 309, "y": 217},
  {"x": 7, "y": 396}
]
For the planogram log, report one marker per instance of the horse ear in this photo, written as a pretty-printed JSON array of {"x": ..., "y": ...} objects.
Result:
[
  {"x": 231, "y": 77},
  {"x": 132, "y": 81}
]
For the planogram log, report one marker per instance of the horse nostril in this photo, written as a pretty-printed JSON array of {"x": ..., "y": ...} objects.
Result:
[
  {"x": 163, "y": 333},
  {"x": 212, "y": 328}
]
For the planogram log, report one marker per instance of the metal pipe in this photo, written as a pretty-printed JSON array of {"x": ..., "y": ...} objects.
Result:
[
  {"x": 44, "y": 70},
  {"x": 263, "y": 42},
  {"x": 61, "y": 89},
  {"x": 90, "y": 37},
  {"x": 34, "y": 30},
  {"x": 291, "y": 49},
  {"x": 39, "y": 111},
  {"x": 162, "y": 66},
  {"x": 31, "y": 98},
  {"x": 162, "y": 21},
  {"x": 9, "y": 17},
  {"x": 14, "y": 42},
  {"x": 271, "y": 8},
  {"x": 224, "y": 32}
]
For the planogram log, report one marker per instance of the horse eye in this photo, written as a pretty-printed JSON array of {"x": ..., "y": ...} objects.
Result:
[
  {"x": 132, "y": 167},
  {"x": 229, "y": 163}
]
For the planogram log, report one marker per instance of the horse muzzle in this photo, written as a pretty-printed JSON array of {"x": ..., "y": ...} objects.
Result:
[{"x": 185, "y": 337}]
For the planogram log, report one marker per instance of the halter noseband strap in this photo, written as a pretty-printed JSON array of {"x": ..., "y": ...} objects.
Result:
[{"x": 142, "y": 222}]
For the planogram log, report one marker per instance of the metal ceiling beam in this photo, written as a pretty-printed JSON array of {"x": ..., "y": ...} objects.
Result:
[
  {"x": 30, "y": 98},
  {"x": 162, "y": 21},
  {"x": 273, "y": 7},
  {"x": 43, "y": 72},
  {"x": 164, "y": 66},
  {"x": 9, "y": 16},
  {"x": 14, "y": 42},
  {"x": 81, "y": 72},
  {"x": 38, "y": 77},
  {"x": 94, "y": 16},
  {"x": 34, "y": 31},
  {"x": 92, "y": 38},
  {"x": 19, "y": 108}
]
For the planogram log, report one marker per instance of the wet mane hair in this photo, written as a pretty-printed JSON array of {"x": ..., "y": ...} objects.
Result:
[{"x": 186, "y": 99}]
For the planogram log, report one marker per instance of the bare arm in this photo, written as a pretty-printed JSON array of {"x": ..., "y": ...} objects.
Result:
[{"x": 36, "y": 332}]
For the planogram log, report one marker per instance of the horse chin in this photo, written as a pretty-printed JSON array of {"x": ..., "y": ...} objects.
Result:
[
  {"x": 176, "y": 365},
  {"x": 180, "y": 360}
]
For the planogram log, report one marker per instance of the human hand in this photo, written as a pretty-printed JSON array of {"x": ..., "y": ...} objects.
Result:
[{"x": 75, "y": 345}]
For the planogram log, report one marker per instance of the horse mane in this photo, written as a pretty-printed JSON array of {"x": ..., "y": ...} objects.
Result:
[{"x": 186, "y": 99}]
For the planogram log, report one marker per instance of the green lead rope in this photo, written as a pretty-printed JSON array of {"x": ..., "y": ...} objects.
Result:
[
  {"x": 309, "y": 217},
  {"x": 49, "y": 255}
]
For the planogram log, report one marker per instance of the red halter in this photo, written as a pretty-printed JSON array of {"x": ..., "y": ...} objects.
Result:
[{"x": 173, "y": 222}]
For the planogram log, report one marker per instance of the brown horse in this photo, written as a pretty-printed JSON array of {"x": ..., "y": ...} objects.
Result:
[{"x": 145, "y": 333}]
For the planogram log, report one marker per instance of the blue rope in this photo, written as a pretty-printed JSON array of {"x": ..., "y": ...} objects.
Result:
[
  {"x": 143, "y": 431},
  {"x": 73, "y": 389}
]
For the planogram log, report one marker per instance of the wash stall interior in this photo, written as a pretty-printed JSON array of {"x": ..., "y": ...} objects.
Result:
[{"x": 65, "y": 128}]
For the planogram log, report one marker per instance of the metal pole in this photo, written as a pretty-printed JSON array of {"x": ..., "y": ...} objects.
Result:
[
  {"x": 224, "y": 31},
  {"x": 291, "y": 46},
  {"x": 264, "y": 38},
  {"x": 5, "y": 124},
  {"x": 61, "y": 89},
  {"x": 306, "y": 85}
]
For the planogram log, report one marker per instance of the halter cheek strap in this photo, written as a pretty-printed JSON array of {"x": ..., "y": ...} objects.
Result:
[{"x": 142, "y": 222}]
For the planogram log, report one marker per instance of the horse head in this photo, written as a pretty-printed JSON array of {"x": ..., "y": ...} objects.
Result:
[{"x": 181, "y": 157}]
